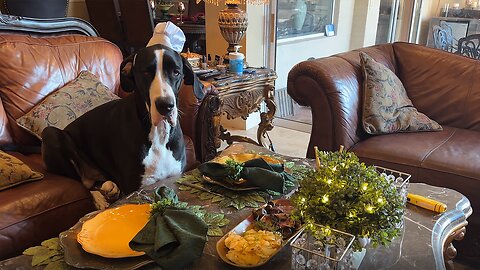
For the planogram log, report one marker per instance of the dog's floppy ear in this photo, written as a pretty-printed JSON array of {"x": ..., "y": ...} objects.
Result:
[
  {"x": 190, "y": 78},
  {"x": 126, "y": 75}
]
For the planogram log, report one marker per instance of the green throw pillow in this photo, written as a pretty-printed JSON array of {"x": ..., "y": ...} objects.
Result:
[
  {"x": 386, "y": 106},
  {"x": 66, "y": 104},
  {"x": 13, "y": 171}
]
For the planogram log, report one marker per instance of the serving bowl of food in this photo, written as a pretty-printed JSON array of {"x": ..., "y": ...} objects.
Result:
[
  {"x": 192, "y": 58},
  {"x": 259, "y": 237}
]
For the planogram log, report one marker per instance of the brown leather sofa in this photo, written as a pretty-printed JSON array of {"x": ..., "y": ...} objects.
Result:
[
  {"x": 444, "y": 86},
  {"x": 37, "y": 58}
]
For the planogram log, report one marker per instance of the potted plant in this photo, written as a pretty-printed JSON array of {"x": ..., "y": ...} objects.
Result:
[{"x": 345, "y": 194}]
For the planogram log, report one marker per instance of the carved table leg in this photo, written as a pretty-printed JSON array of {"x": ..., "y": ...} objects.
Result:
[
  {"x": 449, "y": 251},
  {"x": 266, "y": 122}
]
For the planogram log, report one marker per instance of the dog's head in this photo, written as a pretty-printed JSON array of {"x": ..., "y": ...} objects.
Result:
[{"x": 156, "y": 74}]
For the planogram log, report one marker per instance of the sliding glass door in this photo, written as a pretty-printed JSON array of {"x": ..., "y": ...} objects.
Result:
[
  {"x": 294, "y": 26},
  {"x": 398, "y": 20}
]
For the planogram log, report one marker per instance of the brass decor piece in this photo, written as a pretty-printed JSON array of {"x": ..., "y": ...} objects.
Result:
[
  {"x": 233, "y": 21},
  {"x": 233, "y": 24}
]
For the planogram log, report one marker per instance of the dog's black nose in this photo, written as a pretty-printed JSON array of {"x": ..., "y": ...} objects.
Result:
[{"x": 164, "y": 105}]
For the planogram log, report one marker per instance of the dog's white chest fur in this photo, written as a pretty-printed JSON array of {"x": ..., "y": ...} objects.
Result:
[{"x": 159, "y": 162}]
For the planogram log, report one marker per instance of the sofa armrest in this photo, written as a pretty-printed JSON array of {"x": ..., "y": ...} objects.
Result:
[{"x": 331, "y": 88}]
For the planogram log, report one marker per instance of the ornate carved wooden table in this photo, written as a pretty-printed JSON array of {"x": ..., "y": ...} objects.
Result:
[{"x": 239, "y": 96}]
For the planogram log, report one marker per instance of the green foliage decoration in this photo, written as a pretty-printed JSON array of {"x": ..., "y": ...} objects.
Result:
[
  {"x": 234, "y": 169},
  {"x": 214, "y": 220},
  {"x": 48, "y": 254},
  {"x": 347, "y": 195}
]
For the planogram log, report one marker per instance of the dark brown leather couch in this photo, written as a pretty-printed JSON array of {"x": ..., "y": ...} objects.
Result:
[
  {"x": 444, "y": 86},
  {"x": 37, "y": 58}
]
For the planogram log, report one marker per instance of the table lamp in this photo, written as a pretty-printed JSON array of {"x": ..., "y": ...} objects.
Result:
[{"x": 233, "y": 21}]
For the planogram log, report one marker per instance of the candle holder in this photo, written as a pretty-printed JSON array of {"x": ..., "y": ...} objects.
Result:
[
  {"x": 181, "y": 9},
  {"x": 322, "y": 248}
]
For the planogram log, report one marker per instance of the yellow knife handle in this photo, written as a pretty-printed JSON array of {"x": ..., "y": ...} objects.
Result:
[{"x": 426, "y": 203}]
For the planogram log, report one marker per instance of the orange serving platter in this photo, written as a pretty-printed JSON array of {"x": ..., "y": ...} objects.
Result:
[{"x": 108, "y": 233}]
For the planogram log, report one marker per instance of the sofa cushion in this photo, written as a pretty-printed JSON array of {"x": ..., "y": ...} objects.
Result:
[
  {"x": 386, "y": 106},
  {"x": 35, "y": 211},
  {"x": 452, "y": 150},
  {"x": 14, "y": 172},
  {"x": 32, "y": 67},
  {"x": 442, "y": 85},
  {"x": 67, "y": 104},
  {"x": 447, "y": 158}
]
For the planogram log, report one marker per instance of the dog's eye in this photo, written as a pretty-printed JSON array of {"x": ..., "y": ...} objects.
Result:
[{"x": 176, "y": 73}]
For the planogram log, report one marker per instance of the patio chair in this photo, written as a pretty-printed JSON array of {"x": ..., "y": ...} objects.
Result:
[{"x": 469, "y": 46}]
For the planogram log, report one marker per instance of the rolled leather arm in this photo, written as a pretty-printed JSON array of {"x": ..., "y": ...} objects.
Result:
[{"x": 331, "y": 88}]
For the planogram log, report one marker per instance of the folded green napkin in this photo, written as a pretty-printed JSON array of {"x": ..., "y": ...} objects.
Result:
[
  {"x": 257, "y": 172},
  {"x": 174, "y": 236}
]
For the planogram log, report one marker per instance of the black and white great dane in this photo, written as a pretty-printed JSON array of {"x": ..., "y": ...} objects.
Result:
[{"x": 128, "y": 142}]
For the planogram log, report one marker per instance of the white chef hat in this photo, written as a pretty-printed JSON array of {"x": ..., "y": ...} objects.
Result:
[{"x": 168, "y": 34}]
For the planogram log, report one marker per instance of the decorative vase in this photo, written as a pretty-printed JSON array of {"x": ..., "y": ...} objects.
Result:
[
  {"x": 233, "y": 23},
  {"x": 164, "y": 8},
  {"x": 300, "y": 13}
]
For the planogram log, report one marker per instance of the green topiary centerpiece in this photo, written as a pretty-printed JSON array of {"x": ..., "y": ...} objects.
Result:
[{"x": 345, "y": 194}]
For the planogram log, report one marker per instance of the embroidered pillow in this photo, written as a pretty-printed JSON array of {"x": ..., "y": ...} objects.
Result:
[
  {"x": 386, "y": 106},
  {"x": 66, "y": 104},
  {"x": 14, "y": 172}
]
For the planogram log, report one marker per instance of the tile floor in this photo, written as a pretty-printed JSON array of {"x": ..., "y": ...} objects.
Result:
[
  {"x": 285, "y": 141},
  {"x": 294, "y": 143}
]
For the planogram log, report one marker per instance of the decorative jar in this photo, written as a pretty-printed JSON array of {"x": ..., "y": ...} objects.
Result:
[{"x": 320, "y": 247}]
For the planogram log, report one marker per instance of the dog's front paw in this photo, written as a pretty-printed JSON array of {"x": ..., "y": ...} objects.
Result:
[
  {"x": 99, "y": 200},
  {"x": 110, "y": 190}
]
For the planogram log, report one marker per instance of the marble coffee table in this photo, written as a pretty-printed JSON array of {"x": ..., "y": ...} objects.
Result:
[{"x": 425, "y": 243}]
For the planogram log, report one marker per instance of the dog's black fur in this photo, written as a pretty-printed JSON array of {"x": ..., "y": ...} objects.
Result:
[{"x": 111, "y": 141}]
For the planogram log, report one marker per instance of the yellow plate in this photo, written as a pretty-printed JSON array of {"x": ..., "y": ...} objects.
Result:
[
  {"x": 246, "y": 157},
  {"x": 109, "y": 232}
]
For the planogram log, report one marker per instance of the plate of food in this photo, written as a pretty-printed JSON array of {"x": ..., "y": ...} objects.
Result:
[
  {"x": 258, "y": 238},
  {"x": 239, "y": 184},
  {"x": 100, "y": 239},
  {"x": 243, "y": 157}
]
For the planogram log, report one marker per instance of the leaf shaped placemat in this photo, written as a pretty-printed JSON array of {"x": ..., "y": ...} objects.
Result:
[
  {"x": 49, "y": 253},
  {"x": 193, "y": 183}
]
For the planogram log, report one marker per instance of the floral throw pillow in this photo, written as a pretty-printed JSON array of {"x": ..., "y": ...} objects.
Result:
[
  {"x": 14, "y": 172},
  {"x": 386, "y": 106},
  {"x": 66, "y": 104}
]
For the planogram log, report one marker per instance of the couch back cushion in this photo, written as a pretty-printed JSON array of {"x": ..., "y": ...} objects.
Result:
[
  {"x": 442, "y": 85},
  {"x": 32, "y": 67}
]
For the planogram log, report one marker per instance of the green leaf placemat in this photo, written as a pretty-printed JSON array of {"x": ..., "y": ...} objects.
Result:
[
  {"x": 49, "y": 253},
  {"x": 193, "y": 183}
]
